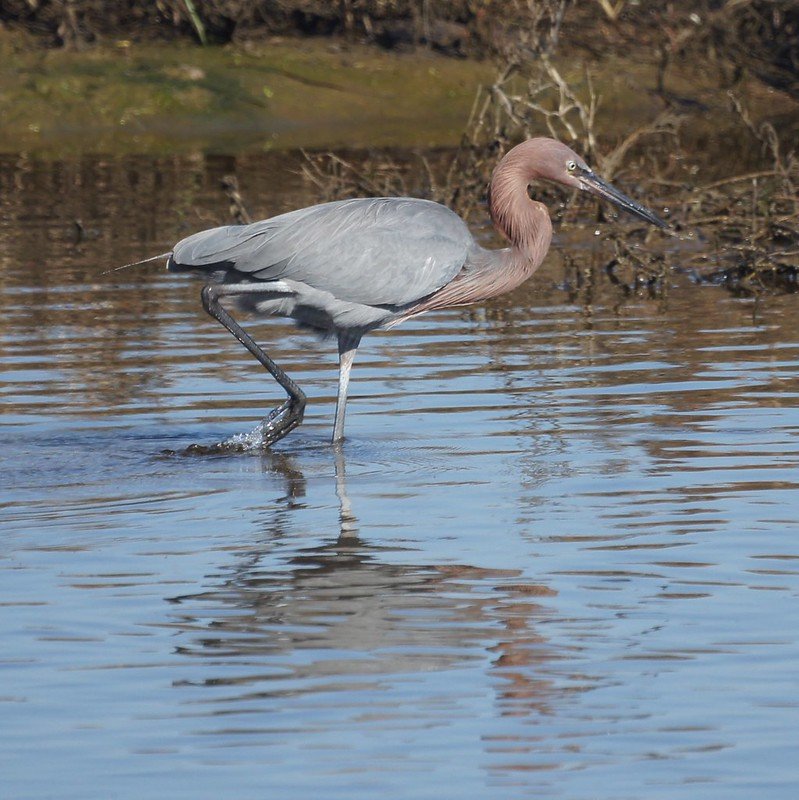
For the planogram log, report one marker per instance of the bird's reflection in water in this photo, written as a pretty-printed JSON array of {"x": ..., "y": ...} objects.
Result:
[
  {"x": 345, "y": 615},
  {"x": 347, "y": 521}
]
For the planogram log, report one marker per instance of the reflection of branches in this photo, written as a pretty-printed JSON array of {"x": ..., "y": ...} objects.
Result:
[
  {"x": 238, "y": 210},
  {"x": 376, "y": 176}
]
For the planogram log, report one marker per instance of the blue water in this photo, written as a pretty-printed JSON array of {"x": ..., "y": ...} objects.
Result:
[{"x": 557, "y": 554}]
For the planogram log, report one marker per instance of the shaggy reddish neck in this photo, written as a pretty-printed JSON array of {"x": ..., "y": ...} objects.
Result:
[{"x": 525, "y": 223}]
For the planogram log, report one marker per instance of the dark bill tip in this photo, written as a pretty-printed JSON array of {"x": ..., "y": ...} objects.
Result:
[{"x": 594, "y": 184}]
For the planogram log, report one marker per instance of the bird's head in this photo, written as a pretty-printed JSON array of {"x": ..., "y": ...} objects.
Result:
[{"x": 556, "y": 162}]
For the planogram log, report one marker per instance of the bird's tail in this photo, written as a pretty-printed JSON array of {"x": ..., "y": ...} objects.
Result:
[{"x": 136, "y": 263}]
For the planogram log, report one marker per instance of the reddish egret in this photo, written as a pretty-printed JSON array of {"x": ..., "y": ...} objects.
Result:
[{"x": 352, "y": 266}]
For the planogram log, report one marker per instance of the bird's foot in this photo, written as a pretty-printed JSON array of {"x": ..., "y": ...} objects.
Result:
[{"x": 281, "y": 421}]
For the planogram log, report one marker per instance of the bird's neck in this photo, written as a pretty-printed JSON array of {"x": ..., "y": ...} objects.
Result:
[{"x": 524, "y": 222}]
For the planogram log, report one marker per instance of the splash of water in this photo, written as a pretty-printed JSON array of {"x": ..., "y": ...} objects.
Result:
[{"x": 243, "y": 442}]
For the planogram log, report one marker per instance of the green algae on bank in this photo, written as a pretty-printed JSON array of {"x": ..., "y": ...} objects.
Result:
[
  {"x": 280, "y": 94},
  {"x": 313, "y": 93}
]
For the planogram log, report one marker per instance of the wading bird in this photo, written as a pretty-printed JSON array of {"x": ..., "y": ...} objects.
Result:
[{"x": 351, "y": 266}]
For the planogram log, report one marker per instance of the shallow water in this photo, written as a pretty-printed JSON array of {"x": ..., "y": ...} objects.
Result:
[{"x": 556, "y": 556}]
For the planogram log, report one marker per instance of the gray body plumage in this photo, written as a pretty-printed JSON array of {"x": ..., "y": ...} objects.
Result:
[{"x": 346, "y": 266}]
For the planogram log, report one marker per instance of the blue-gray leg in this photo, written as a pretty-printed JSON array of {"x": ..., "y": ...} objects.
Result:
[
  {"x": 288, "y": 415},
  {"x": 347, "y": 347}
]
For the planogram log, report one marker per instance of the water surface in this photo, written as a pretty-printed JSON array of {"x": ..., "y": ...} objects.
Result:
[{"x": 556, "y": 556}]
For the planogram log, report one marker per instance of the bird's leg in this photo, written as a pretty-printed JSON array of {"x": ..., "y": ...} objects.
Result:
[
  {"x": 347, "y": 347},
  {"x": 286, "y": 416}
]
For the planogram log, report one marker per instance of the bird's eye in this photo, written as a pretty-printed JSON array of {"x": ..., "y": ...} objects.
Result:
[{"x": 571, "y": 166}]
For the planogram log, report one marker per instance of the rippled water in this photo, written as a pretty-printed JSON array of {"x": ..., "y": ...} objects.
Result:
[{"x": 557, "y": 555}]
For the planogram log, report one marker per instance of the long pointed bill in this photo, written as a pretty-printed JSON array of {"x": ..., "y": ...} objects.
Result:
[{"x": 594, "y": 184}]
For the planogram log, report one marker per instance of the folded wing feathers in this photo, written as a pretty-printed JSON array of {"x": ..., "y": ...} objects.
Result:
[{"x": 382, "y": 251}]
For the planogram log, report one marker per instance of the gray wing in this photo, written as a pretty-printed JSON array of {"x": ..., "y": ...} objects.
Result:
[{"x": 377, "y": 251}]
